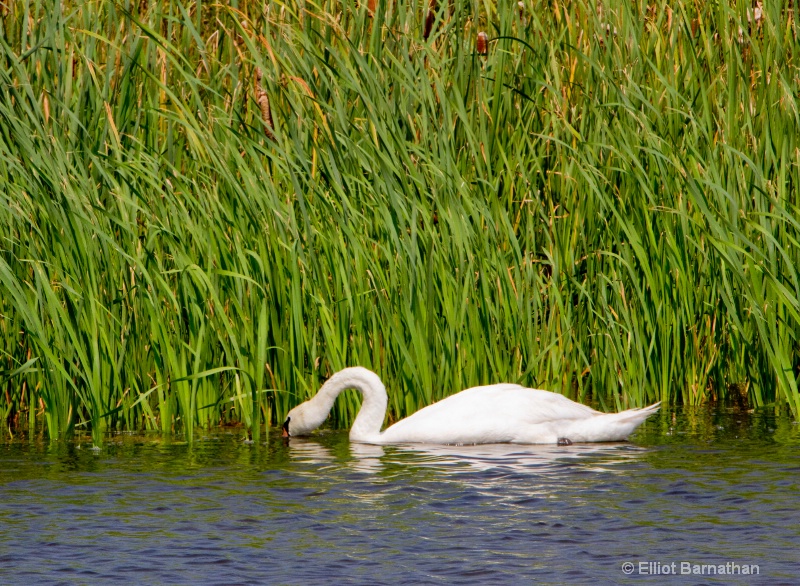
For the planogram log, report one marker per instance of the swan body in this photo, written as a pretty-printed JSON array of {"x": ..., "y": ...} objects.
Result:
[{"x": 501, "y": 413}]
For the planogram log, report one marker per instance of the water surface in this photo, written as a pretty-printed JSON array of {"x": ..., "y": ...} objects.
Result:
[{"x": 703, "y": 489}]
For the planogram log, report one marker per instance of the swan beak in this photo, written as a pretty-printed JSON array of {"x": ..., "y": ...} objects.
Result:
[{"x": 285, "y": 433}]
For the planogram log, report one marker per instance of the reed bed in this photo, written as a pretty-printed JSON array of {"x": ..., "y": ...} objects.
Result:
[{"x": 207, "y": 208}]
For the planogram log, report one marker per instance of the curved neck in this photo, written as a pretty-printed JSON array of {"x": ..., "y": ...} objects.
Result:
[{"x": 368, "y": 422}]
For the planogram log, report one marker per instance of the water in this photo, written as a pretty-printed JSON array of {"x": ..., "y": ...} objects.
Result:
[{"x": 709, "y": 488}]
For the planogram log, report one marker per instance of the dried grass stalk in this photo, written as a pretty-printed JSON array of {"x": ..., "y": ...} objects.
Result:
[{"x": 263, "y": 102}]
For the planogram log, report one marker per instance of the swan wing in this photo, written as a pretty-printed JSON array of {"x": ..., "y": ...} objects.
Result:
[{"x": 491, "y": 414}]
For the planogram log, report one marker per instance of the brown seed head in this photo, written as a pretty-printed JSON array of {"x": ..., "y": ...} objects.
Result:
[
  {"x": 483, "y": 42},
  {"x": 429, "y": 19}
]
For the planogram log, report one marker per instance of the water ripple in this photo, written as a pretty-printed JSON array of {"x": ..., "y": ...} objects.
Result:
[{"x": 145, "y": 510}]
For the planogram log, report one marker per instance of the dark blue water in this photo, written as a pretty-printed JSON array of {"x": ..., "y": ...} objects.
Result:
[{"x": 707, "y": 490}]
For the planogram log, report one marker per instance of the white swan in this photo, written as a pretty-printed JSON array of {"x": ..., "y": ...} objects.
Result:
[{"x": 502, "y": 413}]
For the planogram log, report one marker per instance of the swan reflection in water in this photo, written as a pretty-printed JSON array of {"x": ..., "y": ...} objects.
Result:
[
  {"x": 365, "y": 457},
  {"x": 526, "y": 459}
]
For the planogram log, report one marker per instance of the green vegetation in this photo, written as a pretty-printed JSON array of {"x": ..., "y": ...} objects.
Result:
[{"x": 604, "y": 204}]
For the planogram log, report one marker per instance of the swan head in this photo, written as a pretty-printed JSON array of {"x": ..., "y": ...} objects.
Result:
[{"x": 303, "y": 419}]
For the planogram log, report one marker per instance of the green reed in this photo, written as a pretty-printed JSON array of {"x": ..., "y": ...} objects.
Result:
[{"x": 605, "y": 205}]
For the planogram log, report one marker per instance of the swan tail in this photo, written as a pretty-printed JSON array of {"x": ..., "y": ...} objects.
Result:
[
  {"x": 638, "y": 415},
  {"x": 610, "y": 427}
]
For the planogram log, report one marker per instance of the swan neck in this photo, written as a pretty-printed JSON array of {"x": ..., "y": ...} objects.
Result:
[{"x": 368, "y": 422}]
